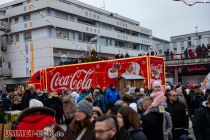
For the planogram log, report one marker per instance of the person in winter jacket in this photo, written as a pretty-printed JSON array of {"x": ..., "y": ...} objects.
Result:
[
  {"x": 55, "y": 103},
  {"x": 99, "y": 100},
  {"x": 16, "y": 102},
  {"x": 181, "y": 96},
  {"x": 75, "y": 95},
  {"x": 69, "y": 108},
  {"x": 179, "y": 114},
  {"x": 82, "y": 96},
  {"x": 81, "y": 126},
  {"x": 201, "y": 121},
  {"x": 96, "y": 113},
  {"x": 35, "y": 118},
  {"x": 28, "y": 95},
  {"x": 159, "y": 107},
  {"x": 106, "y": 128},
  {"x": 152, "y": 121},
  {"x": 157, "y": 94},
  {"x": 196, "y": 100},
  {"x": 112, "y": 95},
  {"x": 127, "y": 118},
  {"x": 6, "y": 101}
]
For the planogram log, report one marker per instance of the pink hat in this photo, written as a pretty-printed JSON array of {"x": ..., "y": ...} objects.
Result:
[{"x": 156, "y": 83}]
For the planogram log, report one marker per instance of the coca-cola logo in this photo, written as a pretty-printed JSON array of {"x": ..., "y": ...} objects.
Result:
[{"x": 79, "y": 80}]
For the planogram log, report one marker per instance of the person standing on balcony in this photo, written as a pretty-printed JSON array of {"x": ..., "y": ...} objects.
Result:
[
  {"x": 167, "y": 54},
  {"x": 172, "y": 55},
  {"x": 186, "y": 54},
  {"x": 191, "y": 53}
]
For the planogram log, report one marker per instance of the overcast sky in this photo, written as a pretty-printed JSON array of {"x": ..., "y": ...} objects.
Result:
[{"x": 166, "y": 18}]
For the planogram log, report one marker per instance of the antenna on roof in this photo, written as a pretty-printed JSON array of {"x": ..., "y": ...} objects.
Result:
[{"x": 104, "y": 7}]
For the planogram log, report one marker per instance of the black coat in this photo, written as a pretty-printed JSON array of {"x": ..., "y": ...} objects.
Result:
[
  {"x": 99, "y": 101},
  {"x": 201, "y": 122},
  {"x": 137, "y": 134},
  {"x": 179, "y": 114},
  {"x": 122, "y": 134},
  {"x": 153, "y": 125},
  {"x": 27, "y": 97},
  {"x": 196, "y": 103},
  {"x": 6, "y": 102}
]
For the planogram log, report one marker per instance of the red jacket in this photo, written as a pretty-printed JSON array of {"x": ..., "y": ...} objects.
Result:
[{"x": 35, "y": 119}]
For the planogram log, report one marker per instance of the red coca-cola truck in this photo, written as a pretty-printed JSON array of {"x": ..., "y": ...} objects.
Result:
[{"x": 102, "y": 73}]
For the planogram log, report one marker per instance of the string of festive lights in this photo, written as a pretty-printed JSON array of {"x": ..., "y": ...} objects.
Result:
[
  {"x": 11, "y": 40},
  {"x": 49, "y": 23},
  {"x": 191, "y": 3}
]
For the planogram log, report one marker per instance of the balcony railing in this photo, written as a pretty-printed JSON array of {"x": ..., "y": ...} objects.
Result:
[
  {"x": 5, "y": 72},
  {"x": 5, "y": 26},
  {"x": 185, "y": 56}
]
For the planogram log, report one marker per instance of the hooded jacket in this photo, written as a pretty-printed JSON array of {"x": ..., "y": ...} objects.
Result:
[
  {"x": 35, "y": 119},
  {"x": 201, "y": 122},
  {"x": 69, "y": 106},
  {"x": 112, "y": 95},
  {"x": 152, "y": 123}
]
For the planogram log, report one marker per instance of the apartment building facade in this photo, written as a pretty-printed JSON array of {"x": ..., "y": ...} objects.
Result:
[{"x": 44, "y": 30}]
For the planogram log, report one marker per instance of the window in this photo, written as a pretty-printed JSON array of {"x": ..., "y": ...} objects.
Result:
[
  {"x": 199, "y": 37},
  {"x": 27, "y": 36},
  {"x": 86, "y": 13},
  {"x": 9, "y": 65},
  {"x": 71, "y": 17},
  {"x": 189, "y": 43},
  {"x": 27, "y": 17},
  {"x": 17, "y": 37},
  {"x": 16, "y": 19},
  {"x": 160, "y": 51},
  {"x": 182, "y": 44},
  {"x": 63, "y": 33},
  {"x": 182, "y": 48},
  {"x": 62, "y": 15},
  {"x": 175, "y": 49},
  {"x": 0, "y": 63},
  {"x": 174, "y": 44},
  {"x": 189, "y": 38},
  {"x": 72, "y": 35}
]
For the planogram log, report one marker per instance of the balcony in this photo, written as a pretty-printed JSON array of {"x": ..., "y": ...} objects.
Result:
[
  {"x": 186, "y": 59},
  {"x": 5, "y": 72},
  {"x": 5, "y": 26}
]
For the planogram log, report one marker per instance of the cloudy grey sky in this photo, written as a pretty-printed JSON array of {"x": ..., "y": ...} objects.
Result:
[{"x": 166, "y": 18}]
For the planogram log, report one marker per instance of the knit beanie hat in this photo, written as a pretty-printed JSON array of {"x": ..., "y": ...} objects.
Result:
[
  {"x": 168, "y": 87},
  {"x": 98, "y": 110},
  {"x": 179, "y": 91},
  {"x": 156, "y": 83},
  {"x": 86, "y": 107},
  {"x": 35, "y": 103},
  {"x": 133, "y": 106},
  {"x": 141, "y": 90}
]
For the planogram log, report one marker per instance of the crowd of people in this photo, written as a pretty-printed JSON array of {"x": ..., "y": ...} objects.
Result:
[
  {"x": 200, "y": 51},
  {"x": 102, "y": 113}
]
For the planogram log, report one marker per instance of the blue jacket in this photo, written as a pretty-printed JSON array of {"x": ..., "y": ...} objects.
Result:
[
  {"x": 112, "y": 95},
  {"x": 81, "y": 97}
]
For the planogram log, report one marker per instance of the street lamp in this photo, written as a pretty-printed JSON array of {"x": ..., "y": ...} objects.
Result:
[{"x": 191, "y": 3}]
